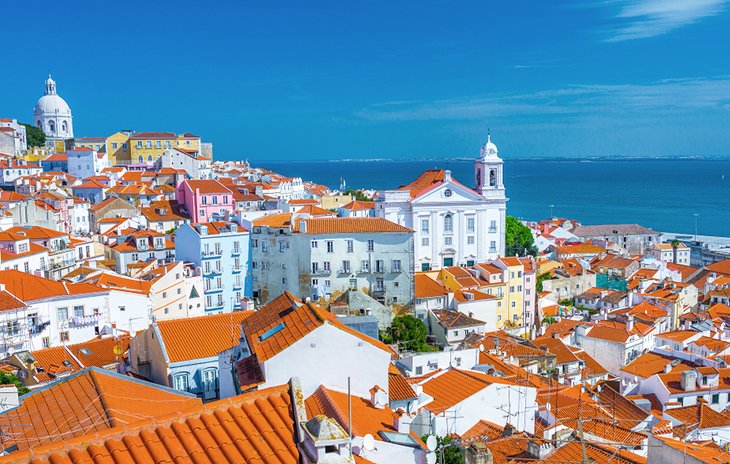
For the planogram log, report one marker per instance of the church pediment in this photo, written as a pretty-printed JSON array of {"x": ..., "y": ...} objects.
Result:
[{"x": 449, "y": 192}]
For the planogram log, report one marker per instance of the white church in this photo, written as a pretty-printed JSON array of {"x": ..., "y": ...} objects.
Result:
[
  {"x": 454, "y": 225},
  {"x": 53, "y": 115}
]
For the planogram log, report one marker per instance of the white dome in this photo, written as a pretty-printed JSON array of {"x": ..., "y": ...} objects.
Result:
[
  {"x": 52, "y": 105},
  {"x": 489, "y": 148}
]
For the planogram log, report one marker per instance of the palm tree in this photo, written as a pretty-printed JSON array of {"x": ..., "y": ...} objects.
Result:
[{"x": 675, "y": 245}]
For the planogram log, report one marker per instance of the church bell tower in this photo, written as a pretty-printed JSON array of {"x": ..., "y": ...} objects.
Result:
[{"x": 488, "y": 172}]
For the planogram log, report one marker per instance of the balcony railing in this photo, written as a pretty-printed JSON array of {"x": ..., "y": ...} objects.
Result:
[
  {"x": 82, "y": 321},
  {"x": 214, "y": 289},
  {"x": 210, "y": 254}
]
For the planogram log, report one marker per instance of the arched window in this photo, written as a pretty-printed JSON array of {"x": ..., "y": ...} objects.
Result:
[
  {"x": 448, "y": 223},
  {"x": 492, "y": 177},
  {"x": 40, "y": 125},
  {"x": 52, "y": 127},
  {"x": 140, "y": 158},
  {"x": 181, "y": 382},
  {"x": 64, "y": 127},
  {"x": 149, "y": 158}
]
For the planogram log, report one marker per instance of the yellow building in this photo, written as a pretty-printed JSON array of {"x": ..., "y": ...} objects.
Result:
[
  {"x": 118, "y": 148},
  {"x": 147, "y": 147}
]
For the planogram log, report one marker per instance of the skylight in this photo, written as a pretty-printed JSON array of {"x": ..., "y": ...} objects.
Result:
[
  {"x": 85, "y": 351},
  {"x": 399, "y": 438},
  {"x": 272, "y": 331}
]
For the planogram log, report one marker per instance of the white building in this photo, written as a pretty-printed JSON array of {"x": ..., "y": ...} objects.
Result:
[
  {"x": 454, "y": 224},
  {"x": 327, "y": 256},
  {"x": 85, "y": 162},
  {"x": 53, "y": 115},
  {"x": 196, "y": 165},
  {"x": 16, "y": 136},
  {"x": 665, "y": 252},
  {"x": 289, "y": 338}
]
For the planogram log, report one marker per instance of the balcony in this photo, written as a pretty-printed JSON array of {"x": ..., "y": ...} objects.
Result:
[
  {"x": 344, "y": 271},
  {"x": 212, "y": 254},
  {"x": 492, "y": 230},
  {"x": 236, "y": 270},
  {"x": 322, "y": 272},
  {"x": 212, "y": 271},
  {"x": 62, "y": 264},
  {"x": 214, "y": 289},
  {"x": 236, "y": 252},
  {"x": 83, "y": 321}
]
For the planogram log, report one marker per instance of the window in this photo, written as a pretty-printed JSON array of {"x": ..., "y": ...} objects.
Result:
[
  {"x": 350, "y": 246},
  {"x": 346, "y": 266},
  {"x": 715, "y": 398},
  {"x": 353, "y": 284},
  {"x": 448, "y": 241},
  {"x": 167, "y": 144},
  {"x": 124, "y": 146},
  {"x": 424, "y": 241},
  {"x": 314, "y": 244},
  {"x": 364, "y": 265},
  {"x": 158, "y": 144},
  {"x": 379, "y": 265},
  {"x": 236, "y": 247},
  {"x": 470, "y": 240},
  {"x": 149, "y": 144},
  {"x": 26, "y": 267},
  {"x": 46, "y": 342},
  {"x": 115, "y": 145},
  {"x": 326, "y": 266},
  {"x": 419, "y": 370},
  {"x": 255, "y": 243},
  {"x": 371, "y": 245},
  {"x": 470, "y": 225},
  {"x": 379, "y": 284},
  {"x": 395, "y": 266},
  {"x": 315, "y": 268},
  {"x": 181, "y": 382},
  {"x": 204, "y": 200},
  {"x": 215, "y": 200},
  {"x": 78, "y": 311},
  {"x": 315, "y": 282},
  {"x": 493, "y": 226},
  {"x": 264, "y": 246},
  {"x": 330, "y": 246},
  {"x": 122, "y": 308},
  {"x": 424, "y": 226},
  {"x": 63, "y": 336},
  {"x": 448, "y": 223},
  {"x": 62, "y": 314},
  {"x": 448, "y": 193},
  {"x": 492, "y": 246}
]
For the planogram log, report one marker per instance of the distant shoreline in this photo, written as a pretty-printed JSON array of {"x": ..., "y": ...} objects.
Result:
[{"x": 507, "y": 158}]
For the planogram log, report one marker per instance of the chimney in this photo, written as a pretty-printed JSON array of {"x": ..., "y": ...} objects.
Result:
[
  {"x": 378, "y": 397},
  {"x": 537, "y": 451},
  {"x": 667, "y": 368},
  {"x": 8, "y": 397},
  {"x": 402, "y": 421},
  {"x": 630, "y": 323},
  {"x": 478, "y": 453},
  {"x": 688, "y": 380}
]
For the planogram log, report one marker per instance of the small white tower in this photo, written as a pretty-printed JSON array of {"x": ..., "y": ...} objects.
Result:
[
  {"x": 488, "y": 172},
  {"x": 52, "y": 114}
]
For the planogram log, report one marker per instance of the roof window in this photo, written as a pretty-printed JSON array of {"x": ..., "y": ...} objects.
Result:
[{"x": 272, "y": 331}]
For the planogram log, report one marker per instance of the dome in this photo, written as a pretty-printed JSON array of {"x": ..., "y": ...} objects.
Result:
[
  {"x": 52, "y": 105},
  {"x": 489, "y": 148}
]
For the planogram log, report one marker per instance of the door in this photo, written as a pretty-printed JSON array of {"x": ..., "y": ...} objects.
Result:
[
  {"x": 448, "y": 262},
  {"x": 210, "y": 384}
]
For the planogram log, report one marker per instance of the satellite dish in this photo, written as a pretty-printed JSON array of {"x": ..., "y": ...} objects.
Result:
[
  {"x": 431, "y": 443},
  {"x": 368, "y": 442},
  {"x": 431, "y": 458},
  {"x": 118, "y": 350},
  {"x": 481, "y": 348}
]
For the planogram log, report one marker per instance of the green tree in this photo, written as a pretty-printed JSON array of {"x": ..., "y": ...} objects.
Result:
[
  {"x": 34, "y": 136},
  {"x": 11, "y": 379},
  {"x": 540, "y": 279},
  {"x": 452, "y": 453},
  {"x": 518, "y": 239},
  {"x": 359, "y": 196},
  {"x": 409, "y": 333}
]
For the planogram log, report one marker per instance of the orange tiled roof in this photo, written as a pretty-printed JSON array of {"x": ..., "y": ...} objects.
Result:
[
  {"x": 93, "y": 400},
  {"x": 352, "y": 225},
  {"x": 699, "y": 416},
  {"x": 398, "y": 388},
  {"x": 99, "y": 352},
  {"x": 425, "y": 181},
  {"x": 274, "y": 220},
  {"x": 28, "y": 287},
  {"x": 357, "y": 205},
  {"x": 251, "y": 428},
  {"x": 207, "y": 186},
  {"x": 454, "y": 319},
  {"x": 213, "y": 334},
  {"x": 426, "y": 287},
  {"x": 452, "y": 386},
  {"x": 366, "y": 419},
  {"x": 720, "y": 267}
]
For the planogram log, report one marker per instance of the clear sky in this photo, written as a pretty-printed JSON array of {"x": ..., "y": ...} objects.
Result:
[{"x": 396, "y": 79}]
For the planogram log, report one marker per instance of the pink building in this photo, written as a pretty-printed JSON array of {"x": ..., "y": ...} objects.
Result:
[{"x": 206, "y": 200}]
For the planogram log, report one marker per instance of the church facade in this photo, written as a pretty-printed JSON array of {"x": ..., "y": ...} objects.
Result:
[
  {"x": 454, "y": 225},
  {"x": 53, "y": 116}
]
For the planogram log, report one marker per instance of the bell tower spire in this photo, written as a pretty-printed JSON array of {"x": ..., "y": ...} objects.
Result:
[{"x": 488, "y": 171}]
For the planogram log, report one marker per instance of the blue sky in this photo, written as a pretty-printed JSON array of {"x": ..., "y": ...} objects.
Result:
[{"x": 395, "y": 79}]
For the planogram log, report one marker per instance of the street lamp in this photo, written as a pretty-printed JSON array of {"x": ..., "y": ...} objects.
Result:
[{"x": 696, "y": 215}]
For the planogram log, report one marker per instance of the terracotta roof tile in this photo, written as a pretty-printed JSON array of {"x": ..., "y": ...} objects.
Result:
[
  {"x": 251, "y": 428},
  {"x": 213, "y": 333},
  {"x": 352, "y": 225},
  {"x": 90, "y": 401}
]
